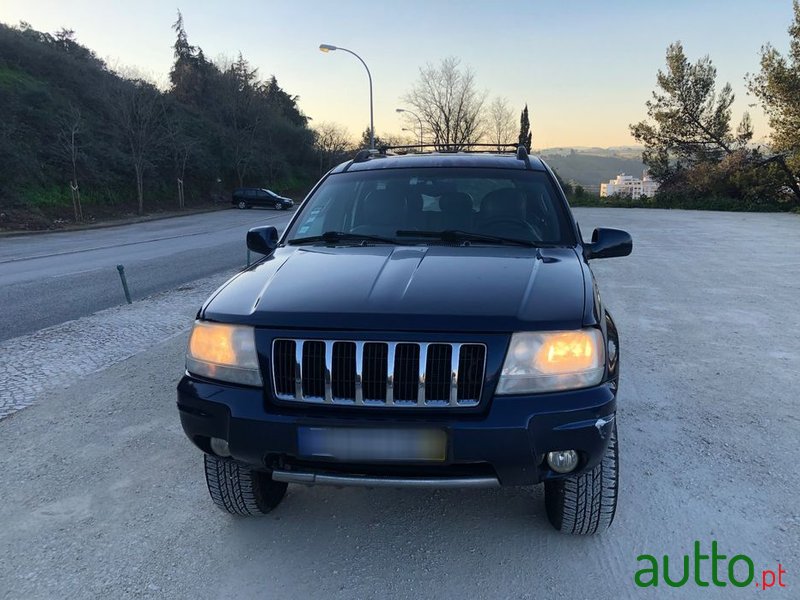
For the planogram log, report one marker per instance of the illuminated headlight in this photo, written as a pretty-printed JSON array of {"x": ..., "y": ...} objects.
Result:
[
  {"x": 551, "y": 361},
  {"x": 224, "y": 352}
]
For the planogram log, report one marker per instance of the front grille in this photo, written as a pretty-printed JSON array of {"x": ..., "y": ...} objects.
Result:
[{"x": 378, "y": 373}]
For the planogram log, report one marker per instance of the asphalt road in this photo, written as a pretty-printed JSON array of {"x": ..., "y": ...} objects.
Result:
[
  {"x": 102, "y": 497},
  {"x": 49, "y": 278}
]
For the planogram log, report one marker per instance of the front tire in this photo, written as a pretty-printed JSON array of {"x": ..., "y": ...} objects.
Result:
[
  {"x": 278, "y": 206},
  {"x": 585, "y": 504},
  {"x": 239, "y": 490},
  {"x": 242, "y": 204}
]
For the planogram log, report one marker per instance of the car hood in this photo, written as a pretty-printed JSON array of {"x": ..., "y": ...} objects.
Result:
[{"x": 407, "y": 288}]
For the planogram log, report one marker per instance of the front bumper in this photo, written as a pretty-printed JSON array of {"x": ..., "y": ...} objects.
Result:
[{"x": 506, "y": 443}]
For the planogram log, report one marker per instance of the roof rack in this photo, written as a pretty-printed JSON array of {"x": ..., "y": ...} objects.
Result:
[
  {"x": 522, "y": 154},
  {"x": 384, "y": 151},
  {"x": 365, "y": 155},
  {"x": 452, "y": 148}
]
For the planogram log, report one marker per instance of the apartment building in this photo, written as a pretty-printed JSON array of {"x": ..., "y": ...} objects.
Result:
[{"x": 629, "y": 186}]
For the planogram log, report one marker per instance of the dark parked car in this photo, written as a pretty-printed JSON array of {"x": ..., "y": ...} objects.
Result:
[
  {"x": 247, "y": 197},
  {"x": 425, "y": 320}
]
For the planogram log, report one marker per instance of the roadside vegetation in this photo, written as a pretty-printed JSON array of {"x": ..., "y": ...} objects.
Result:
[
  {"x": 679, "y": 201},
  {"x": 80, "y": 140}
]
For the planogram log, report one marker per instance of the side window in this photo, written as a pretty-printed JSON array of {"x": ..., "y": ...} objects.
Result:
[
  {"x": 262, "y": 194},
  {"x": 249, "y": 193}
]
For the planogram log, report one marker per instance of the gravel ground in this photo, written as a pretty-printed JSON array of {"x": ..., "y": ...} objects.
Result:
[
  {"x": 61, "y": 354},
  {"x": 103, "y": 497}
]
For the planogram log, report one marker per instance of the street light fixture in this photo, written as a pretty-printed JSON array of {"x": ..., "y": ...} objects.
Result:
[
  {"x": 402, "y": 110},
  {"x": 330, "y": 48}
]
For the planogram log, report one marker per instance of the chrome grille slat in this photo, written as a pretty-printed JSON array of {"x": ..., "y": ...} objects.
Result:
[
  {"x": 455, "y": 358},
  {"x": 328, "y": 370},
  {"x": 423, "y": 362},
  {"x": 378, "y": 373},
  {"x": 359, "y": 392},
  {"x": 390, "y": 356},
  {"x": 298, "y": 370}
]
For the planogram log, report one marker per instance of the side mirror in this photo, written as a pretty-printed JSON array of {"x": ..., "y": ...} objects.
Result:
[
  {"x": 607, "y": 243},
  {"x": 263, "y": 240}
]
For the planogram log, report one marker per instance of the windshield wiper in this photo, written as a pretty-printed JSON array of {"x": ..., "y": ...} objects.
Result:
[
  {"x": 456, "y": 235},
  {"x": 338, "y": 236}
]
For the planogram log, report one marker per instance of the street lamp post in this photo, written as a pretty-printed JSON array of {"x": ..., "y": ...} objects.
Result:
[
  {"x": 401, "y": 110},
  {"x": 330, "y": 48}
]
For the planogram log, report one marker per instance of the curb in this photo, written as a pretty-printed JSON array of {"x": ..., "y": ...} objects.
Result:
[{"x": 114, "y": 223}]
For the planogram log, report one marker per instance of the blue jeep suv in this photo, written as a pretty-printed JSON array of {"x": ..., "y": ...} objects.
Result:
[{"x": 426, "y": 319}]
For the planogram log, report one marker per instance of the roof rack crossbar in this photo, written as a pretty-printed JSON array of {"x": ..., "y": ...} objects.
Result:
[
  {"x": 498, "y": 148},
  {"x": 369, "y": 153}
]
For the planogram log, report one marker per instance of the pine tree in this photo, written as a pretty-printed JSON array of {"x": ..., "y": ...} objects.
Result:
[
  {"x": 777, "y": 86},
  {"x": 181, "y": 46},
  {"x": 190, "y": 72},
  {"x": 525, "y": 135}
]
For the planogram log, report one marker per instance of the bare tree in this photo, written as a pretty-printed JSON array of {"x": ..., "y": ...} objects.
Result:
[
  {"x": 139, "y": 116},
  {"x": 70, "y": 125},
  {"x": 502, "y": 123},
  {"x": 447, "y": 99},
  {"x": 181, "y": 146},
  {"x": 332, "y": 142}
]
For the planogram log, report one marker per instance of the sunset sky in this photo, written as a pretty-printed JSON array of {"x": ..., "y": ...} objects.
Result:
[{"x": 584, "y": 67}]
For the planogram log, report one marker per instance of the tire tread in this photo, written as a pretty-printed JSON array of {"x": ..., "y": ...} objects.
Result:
[
  {"x": 239, "y": 490},
  {"x": 586, "y": 504}
]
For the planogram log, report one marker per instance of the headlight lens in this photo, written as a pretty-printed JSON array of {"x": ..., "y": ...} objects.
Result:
[
  {"x": 552, "y": 361},
  {"x": 224, "y": 352}
]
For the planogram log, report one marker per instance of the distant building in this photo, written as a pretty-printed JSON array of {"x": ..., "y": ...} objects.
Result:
[{"x": 629, "y": 186}]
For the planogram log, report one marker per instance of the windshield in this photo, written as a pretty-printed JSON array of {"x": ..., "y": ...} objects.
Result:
[{"x": 395, "y": 203}]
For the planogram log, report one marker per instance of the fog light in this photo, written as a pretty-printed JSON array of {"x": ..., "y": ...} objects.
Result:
[
  {"x": 562, "y": 461},
  {"x": 220, "y": 447}
]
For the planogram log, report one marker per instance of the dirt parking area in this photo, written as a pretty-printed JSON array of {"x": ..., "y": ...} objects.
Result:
[{"x": 103, "y": 497}]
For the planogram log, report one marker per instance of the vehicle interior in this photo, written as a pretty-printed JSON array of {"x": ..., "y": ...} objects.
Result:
[{"x": 510, "y": 203}]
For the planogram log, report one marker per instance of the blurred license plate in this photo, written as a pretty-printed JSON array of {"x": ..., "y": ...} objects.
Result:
[{"x": 366, "y": 445}]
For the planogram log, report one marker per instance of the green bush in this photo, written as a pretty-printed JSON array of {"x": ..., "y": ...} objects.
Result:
[
  {"x": 687, "y": 202},
  {"x": 46, "y": 196}
]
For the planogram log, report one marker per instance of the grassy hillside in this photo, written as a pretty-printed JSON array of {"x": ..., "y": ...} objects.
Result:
[{"x": 70, "y": 122}]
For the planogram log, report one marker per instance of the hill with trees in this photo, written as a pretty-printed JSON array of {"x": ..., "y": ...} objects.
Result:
[
  {"x": 80, "y": 140},
  {"x": 589, "y": 169}
]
